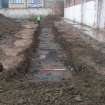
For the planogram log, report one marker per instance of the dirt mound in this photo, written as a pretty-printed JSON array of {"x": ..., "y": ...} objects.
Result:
[{"x": 8, "y": 25}]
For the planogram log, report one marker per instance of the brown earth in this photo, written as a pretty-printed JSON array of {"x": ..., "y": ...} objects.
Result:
[
  {"x": 15, "y": 43},
  {"x": 8, "y": 25},
  {"x": 82, "y": 50},
  {"x": 85, "y": 87}
]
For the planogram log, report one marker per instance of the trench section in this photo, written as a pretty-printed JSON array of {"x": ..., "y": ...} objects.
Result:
[{"x": 47, "y": 61}]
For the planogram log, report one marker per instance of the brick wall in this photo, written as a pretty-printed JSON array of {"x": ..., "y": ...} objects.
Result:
[{"x": 58, "y": 8}]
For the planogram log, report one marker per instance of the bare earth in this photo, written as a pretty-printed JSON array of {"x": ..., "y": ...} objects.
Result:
[{"x": 86, "y": 86}]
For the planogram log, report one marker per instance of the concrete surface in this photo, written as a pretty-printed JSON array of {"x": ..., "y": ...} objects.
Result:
[{"x": 25, "y": 13}]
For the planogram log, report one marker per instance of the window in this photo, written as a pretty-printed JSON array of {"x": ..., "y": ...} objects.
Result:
[
  {"x": 15, "y": 1},
  {"x": 35, "y": 3},
  {"x": 29, "y": 3}
]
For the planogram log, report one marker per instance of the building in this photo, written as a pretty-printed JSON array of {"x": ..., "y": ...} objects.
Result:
[
  {"x": 24, "y": 8},
  {"x": 0, "y": 3},
  {"x": 58, "y": 7},
  {"x": 48, "y": 3},
  {"x": 19, "y": 4},
  {"x": 4, "y": 3},
  {"x": 26, "y": 3},
  {"x": 88, "y": 12},
  {"x": 30, "y": 8}
]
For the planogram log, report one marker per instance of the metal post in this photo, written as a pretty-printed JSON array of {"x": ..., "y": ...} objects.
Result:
[
  {"x": 82, "y": 10},
  {"x": 43, "y": 3},
  {"x": 26, "y": 1},
  {"x": 99, "y": 11}
]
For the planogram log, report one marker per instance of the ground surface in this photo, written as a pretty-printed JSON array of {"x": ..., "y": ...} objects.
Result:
[
  {"x": 84, "y": 49},
  {"x": 14, "y": 47},
  {"x": 8, "y": 25},
  {"x": 83, "y": 87},
  {"x": 8, "y": 28}
]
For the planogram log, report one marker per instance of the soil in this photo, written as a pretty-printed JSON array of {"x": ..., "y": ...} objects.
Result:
[
  {"x": 85, "y": 87},
  {"x": 82, "y": 50},
  {"x": 8, "y": 25}
]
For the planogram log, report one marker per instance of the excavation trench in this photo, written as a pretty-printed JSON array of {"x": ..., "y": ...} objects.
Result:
[{"x": 48, "y": 58}]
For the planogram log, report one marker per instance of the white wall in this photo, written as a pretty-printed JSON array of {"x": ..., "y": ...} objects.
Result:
[
  {"x": 102, "y": 16},
  {"x": 87, "y": 13},
  {"x": 73, "y": 13},
  {"x": 25, "y": 13}
]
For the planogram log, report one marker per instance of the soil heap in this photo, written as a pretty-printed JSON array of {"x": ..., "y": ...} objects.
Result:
[{"x": 8, "y": 25}]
